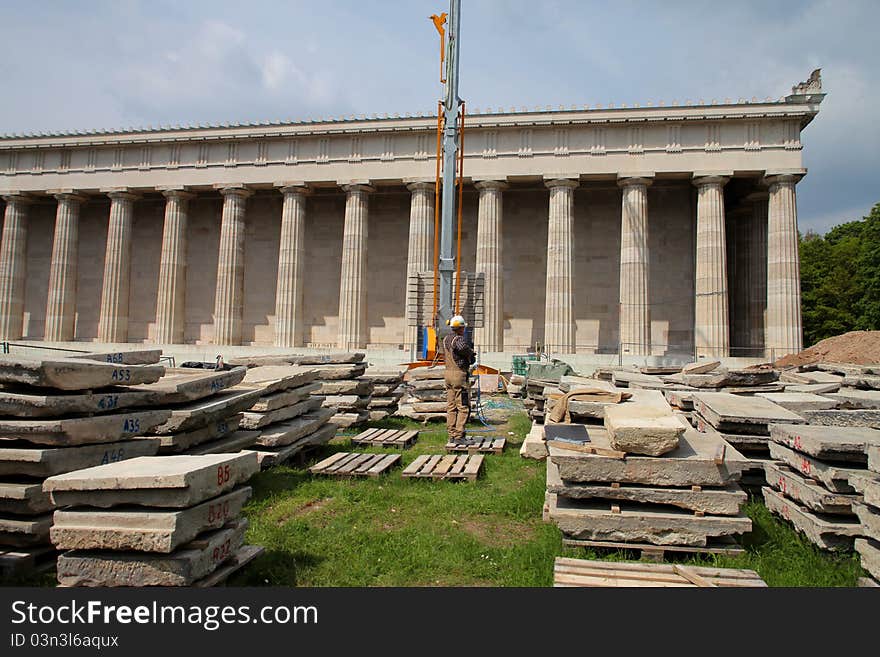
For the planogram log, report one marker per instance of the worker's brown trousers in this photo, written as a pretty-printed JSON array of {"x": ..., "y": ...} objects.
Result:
[{"x": 458, "y": 406}]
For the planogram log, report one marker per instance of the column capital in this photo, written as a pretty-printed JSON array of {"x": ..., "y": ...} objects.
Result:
[
  {"x": 491, "y": 183},
  {"x": 772, "y": 178},
  {"x": 176, "y": 192},
  {"x": 629, "y": 179},
  {"x": 120, "y": 193},
  {"x": 552, "y": 182},
  {"x": 420, "y": 186},
  {"x": 293, "y": 187},
  {"x": 234, "y": 190},
  {"x": 348, "y": 188},
  {"x": 702, "y": 178},
  {"x": 68, "y": 195},
  {"x": 16, "y": 197}
]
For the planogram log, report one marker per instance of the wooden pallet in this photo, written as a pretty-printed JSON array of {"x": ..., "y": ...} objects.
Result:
[
  {"x": 658, "y": 552},
  {"x": 583, "y": 572},
  {"x": 448, "y": 466},
  {"x": 386, "y": 438},
  {"x": 243, "y": 556},
  {"x": 355, "y": 464},
  {"x": 483, "y": 445},
  {"x": 16, "y": 561}
]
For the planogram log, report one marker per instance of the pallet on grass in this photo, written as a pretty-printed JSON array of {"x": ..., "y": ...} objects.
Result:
[
  {"x": 448, "y": 466},
  {"x": 386, "y": 438},
  {"x": 355, "y": 464},
  {"x": 657, "y": 553},
  {"x": 484, "y": 445},
  {"x": 583, "y": 572}
]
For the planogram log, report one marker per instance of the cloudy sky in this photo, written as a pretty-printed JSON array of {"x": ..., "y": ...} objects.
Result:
[{"x": 118, "y": 63}]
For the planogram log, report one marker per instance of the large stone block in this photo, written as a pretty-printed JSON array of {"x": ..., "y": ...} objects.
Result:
[
  {"x": 345, "y": 387},
  {"x": 853, "y": 399},
  {"x": 352, "y": 403},
  {"x": 175, "y": 443},
  {"x": 298, "y": 359},
  {"x": 870, "y": 519},
  {"x": 837, "y": 534},
  {"x": 869, "y": 550},
  {"x": 24, "y": 498},
  {"x": 24, "y": 531},
  {"x": 806, "y": 491},
  {"x": 185, "y": 384},
  {"x": 799, "y": 401},
  {"x": 737, "y": 414},
  {"x": 260, "y": 420},
  {"x": 841, "y": 418},
  {"x": 135, "y": 357},
  {"x": 335, "y": 372},
  {"x": 833, "y": 476},
  {"x": 284, "y": 398},
  {"x": 642, "y": 430},
  {"x": 205, "y": 411},
  {"x": 534, "y": 446},
  {"x": 63, "y": 432},
  {"x": 29, "y": 404},
  {"x": 144, "y": 530},
  {"x": 273, "y": 378},
  {"x": 729, "y": 378},
  {"x": 182, "y": 567},
  {"x": 270, "y": 457},
  {"x": 833, "y": 443},
  {"x": 230, "y": 444},
  {"x": 286, "y": 433},
  {"x": 162, "y": 481},
  {"x": 75, "y": 374},
  {"x": 48, "y": 461}
]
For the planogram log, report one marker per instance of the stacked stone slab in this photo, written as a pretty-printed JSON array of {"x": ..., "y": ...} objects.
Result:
[
  {"x": 344, "y": 390},
  {"x": 387, "y": 391},
  {"x": 57, "y": 416},
  {"x": 869, "y": 513},
  {"x": 426, "y": 395},
  {"x": 686, "y": 497},
  {"x": 816, "y": 479},
  {"x": 152, "y": 521},
  {"x": 287, "y": 417}
]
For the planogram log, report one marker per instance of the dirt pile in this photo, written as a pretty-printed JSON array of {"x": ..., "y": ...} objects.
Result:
[{"x": 859, "y": 347}]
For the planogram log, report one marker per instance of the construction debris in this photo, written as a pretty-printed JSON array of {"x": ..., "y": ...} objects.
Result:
[{"x": 569, "y": 572}]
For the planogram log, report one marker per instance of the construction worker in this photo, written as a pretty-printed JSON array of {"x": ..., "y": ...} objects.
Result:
[{"x": 459, "y": 356}]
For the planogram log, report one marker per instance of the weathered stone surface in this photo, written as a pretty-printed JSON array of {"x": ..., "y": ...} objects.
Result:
[
  {"x": 284, "y": 398},
  {"x": 382, "y": 402},
  {"x": 60, "y": 432},
  {"x": 20, "y": 403},
  {"x": 429, "y": 407},
  {"x": 377, "y": 415},
  {"x": 335, "y": 372},
  {"x": 799, "y": 401},
  {"x": 22, "y": 531},
  {"x": 834, "y": 443},
  {"x": 164, "y": 481},
  {"x": 870, "y": 519},
  {"x": 346, "y": 402},
  {"x": 703, "y": 367},
  {"x": 810, "y": 377},
  {"x": 383, "y": 377},
  {"x": 692, "y": 463},
  {"x": 260, "y": 420},
  {"x": 75, "y": 374},
  {"x": 203, "y": 412},
  {"x": 867, "y": 484},
  {"x": 736, "y": 378},
  {"x": 424, "y": 374},
  {"x": 24, "y": 498},
  {"x": 145, "y": 530},
  {"x": 863, "y": 381},
  {"x": 48, "y": 461},
  {"x": 182, "y": 567},
  {"x": 269, "y": 457},
  {"x": 534, "y": 446},
  {"x": 286, "y": 433},
  {"x": 638, "y": 430},
  {"x": 297, "y": 359},
  {"x": 593, "y": 520},
  {"x": 833, "y": 476},
  {"x": 869, "y": 550},
  {"x": 736, "y": 414},
  {"x": 587, "y": 409},
  {"x": 234, "y": 442},
  {"x": 853, "y": 399},
  {"x": 420, "y": 385},
  {"x": 719, "y": 501},
  {"x": 186, "y": 384},
  {"x": 386, "y": 389},
  {"x": 683, "y": 399},
  {"x": 806, "y": 491},
  {"x": 345, "y": 420},
  {"x": 836, "y": 534},
  {"x": 814, "y": 388},
  {"x": 873, "y": 457},
  {"x": 624, "y": 378},
  {"x": 838, "y": 418},
  {"x": 273, "y": 378},
  {"x": 135, "y": 357},
  {"x": 175, "y": 443},
  {"x": 428, "y": 395},
  {"x": 345, "y": 387}
]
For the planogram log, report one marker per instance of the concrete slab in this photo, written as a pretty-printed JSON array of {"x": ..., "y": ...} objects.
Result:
[
  {"x": 717, "y": 501},
  {"x": 831, "y": 443},
  {"x": 683, "y": 399},
  {"x": 162, "y": 481},
  {"x": 345, "y": 387},
  {"x": 269, "y": 457},
  {"x": 378, "y": 376},
  {"x": 175, "y": 443},
  {"x": 351, "y": 403},
  {"x": 838, "y": 418},
  {"x": 692, "y": 463},
  {"x": 383, "y": 402},
  {"x": 751, "y": 390},
  {"x": 24, "y": 498},
  {"x": 854, "y": 399},
  {"x": 638, "y": 429},
  {"x": 870, "y": 519},
  {"x": 144, "y": 530},
  {"x": 377, "y": 415},
  {"x": 424, "y": 374},
  {"x": 298, "y": 359},
  {"x": 806, "y": 491},
  {"x": 834, "y": 477},
  {"x": 260, "y": 420},
  {"x": 75, "y": 374},
  {"x": 284, "y": 398},
  {"x": 335, "y": 372},
  {"x": 736, "y": 414},
  {"x": 274, "y": 378},
  {"x": 183, "y": 567},
  {"x": 624, "y": 378},
  {"x": 595, "y": 521},
  {"x": 828, "y": 532},
  {"x": 873, "y": 457},
  {"x": 429, "y": 407},
  {"x": 730, "y": 378},
  {"x": 24, "y": 531},
  {"x": 814, "y": 388},
  {"x": 345, "y": 420},
  {"x": 26, "y": 403},
  {"x": 187, "y": 384},
  {"x": 701, "y": 367},
  {"x": 867, "y": 484},
  {"x": 65, "y": 432},
  {"x": 869, "y": 550},
  {"x": 285, "y": 433},
  {"x": 792, "y": 376},
  {"x": 234, "y": 442},
  {"x": 48, "y": 461},
  {"x": 799, "y": 401},
  {"x": 134, "y": 357},
  {"x": 863, "y": 381},
  {"x": 384, "y": 389},
  {"x": 203, "y": 412}
]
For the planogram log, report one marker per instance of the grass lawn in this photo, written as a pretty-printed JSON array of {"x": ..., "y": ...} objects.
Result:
[{"x": 390, "y": 531}]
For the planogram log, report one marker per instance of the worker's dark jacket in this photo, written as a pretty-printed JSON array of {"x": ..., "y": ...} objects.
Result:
[{"x": 458, "y": 351}]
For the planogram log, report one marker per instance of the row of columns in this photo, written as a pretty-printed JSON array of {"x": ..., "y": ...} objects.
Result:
[{"x": 772, "y": 231}]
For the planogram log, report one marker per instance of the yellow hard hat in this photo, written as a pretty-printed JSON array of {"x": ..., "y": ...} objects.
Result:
[{"x": 456, "y": 322}]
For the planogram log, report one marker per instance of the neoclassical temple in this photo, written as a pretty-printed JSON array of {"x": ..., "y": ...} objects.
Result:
[{"x": 645, "y": 230}]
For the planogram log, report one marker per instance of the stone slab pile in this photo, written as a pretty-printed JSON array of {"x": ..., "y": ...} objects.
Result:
[
  {"x": 426, "y": 395},
  {"x": 59, "y": 415},
  {"x": 854, "y": 388},
  {"x": 152, "y": 521},
  {"x": 342, "y": 388},
  {"x": 387, "y": 391},
  {"x": 817, "y": 480},
  {"x": 687, "y": 496},
  {"x": 287, "y": 418},
  {"x": 515, "y": 386},
  {"x": 868, "y": 512}
]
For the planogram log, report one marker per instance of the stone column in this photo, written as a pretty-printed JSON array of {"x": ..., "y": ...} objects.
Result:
[
  {"x": 291, "y": 260},
  {"x": 711, "y": 330},
  {"x": 421, "y": 243},
  {"x": 783, "y": 331},
  {"x": 559, "y": 334},
  {"x": 635, "y": 310},
  {"x": 171, "y": 298},
  {"x": 490, "y": 262},
  {"x": 113, "y": 320},
  {"x": 739, "y": 282},
  {"x": 61, "y": 303},
  {"x": 352, "y": 285},
  {"x": 229, "y": 299},
  {"x": 758, "y": 268},
  {"x": 13, "y": 266}
]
